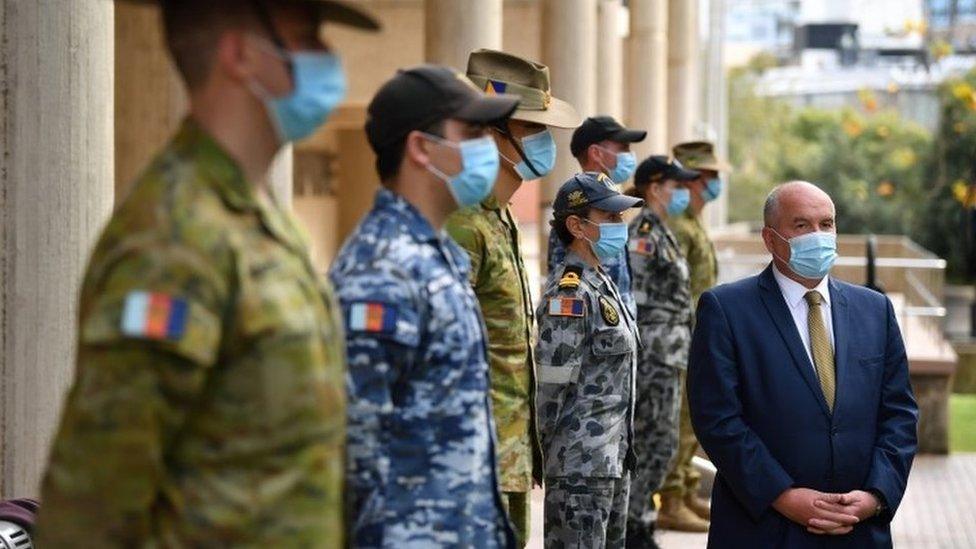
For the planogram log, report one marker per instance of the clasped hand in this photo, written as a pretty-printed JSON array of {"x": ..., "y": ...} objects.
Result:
[{"x": 824, "y": 513}]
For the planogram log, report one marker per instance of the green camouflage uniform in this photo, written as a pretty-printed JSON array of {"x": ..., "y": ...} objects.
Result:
[
  {"x": 216, "y": 415},
  {"x": 699, "y": 251},
  {"x": 489, "y": 234}
]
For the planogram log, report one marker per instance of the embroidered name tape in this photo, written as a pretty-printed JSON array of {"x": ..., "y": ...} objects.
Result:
[
  {"x": 151, "y": 315},
  {"x": 372, "y": 317},
  {"x": 565, "y": 306}
]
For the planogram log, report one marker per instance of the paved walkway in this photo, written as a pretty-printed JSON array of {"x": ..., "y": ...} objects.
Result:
[{"x": 938, "y": 512}]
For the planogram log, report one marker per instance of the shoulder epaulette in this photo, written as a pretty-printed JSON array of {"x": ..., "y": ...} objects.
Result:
[{"x": 570, "y": 278}]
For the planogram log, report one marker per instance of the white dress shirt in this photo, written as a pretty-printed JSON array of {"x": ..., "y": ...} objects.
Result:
[{"x": 793, "y": 293}]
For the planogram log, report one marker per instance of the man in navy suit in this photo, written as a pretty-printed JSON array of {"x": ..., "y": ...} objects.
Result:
[{"x": 799, "y": 393}]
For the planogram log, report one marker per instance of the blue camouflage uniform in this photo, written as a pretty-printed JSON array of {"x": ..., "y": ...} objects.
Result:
[
  {"x": 618, "y": 268},
  {"x": 421, "y": 466}
]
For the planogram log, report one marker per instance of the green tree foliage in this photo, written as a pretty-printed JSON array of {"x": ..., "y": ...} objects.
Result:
[{"x": 872, "y": 164}]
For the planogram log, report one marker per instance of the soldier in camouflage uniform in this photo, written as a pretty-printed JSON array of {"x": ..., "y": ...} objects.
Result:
[
  {"x": 661, "y": 289},
  {"x": 208, "y": 406},
  {"x": 587, "y": 353},
  {"x": 681, "y": 508},
  {"x": 489, "y": 234},
  {"x": 421, "y": 451},
  {"x": 602, "y": 145}
]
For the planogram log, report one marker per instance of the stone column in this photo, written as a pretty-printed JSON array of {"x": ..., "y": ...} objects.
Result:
[
  {"x": 569, "y": 48},
  {"x": 684, "y": 89},
  {"x": 455, "y": 28},
  {"x": 56, "y": 173},
  {"x": 647, "y": 74},
  {"x": 610, "y": 60},
  {"x": 716, "y": 114}
]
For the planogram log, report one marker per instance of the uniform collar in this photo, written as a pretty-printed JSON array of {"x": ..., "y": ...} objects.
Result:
[
  {"x": 491, "y": 202},
  {"x": 415, "y": 224},
  {"x": 650, "y": 215},
  {"x": 590, "y": 273},
  {"x": 794, "y": 292},
  {"x": 216, "y": 165}
]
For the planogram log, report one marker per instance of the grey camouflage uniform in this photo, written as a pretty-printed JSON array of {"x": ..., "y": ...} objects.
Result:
[
  {"x": 662, "y": 290},
  {"x": 586, "y": 354},
  {"x": 421, "y": 466}
]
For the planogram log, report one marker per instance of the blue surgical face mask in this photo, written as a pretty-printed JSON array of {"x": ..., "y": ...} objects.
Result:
[
  {"x": 540, "y": 150},
  {"x": 812, "y": 254},
  {"x": 680, "y": 199},
  {"x": 319, "y": 86},
  {"x": 612, "y": 240},
  {"x": 626, "y": 165},
  {"x": 712, "y": 189},
  {"x": 479, "y": 168}
]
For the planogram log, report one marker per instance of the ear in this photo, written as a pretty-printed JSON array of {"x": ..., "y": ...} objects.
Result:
[
  {"x": 234, "y": 57},
  {"x": 575, "y": 226},
  {"x": 416, "y": 149},
  {"x": 769, "y": 239}
]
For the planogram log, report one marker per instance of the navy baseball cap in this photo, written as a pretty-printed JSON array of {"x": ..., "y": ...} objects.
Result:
[
  {"x": 594, "y": 190},
  {"x": 661, "y": 168},
  {"x": 602, "y": 128}
]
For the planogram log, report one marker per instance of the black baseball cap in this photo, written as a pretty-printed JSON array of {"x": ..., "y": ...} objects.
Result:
[
  {"x": 660, "y": 168},
  {"x": 602, "y": 128},
  {"x": 418, "y": 97},
  {"x": 595, "y": 190}
]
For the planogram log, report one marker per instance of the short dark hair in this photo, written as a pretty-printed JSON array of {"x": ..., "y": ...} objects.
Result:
[
  {"x": 558, "y": 224},
  {"x": 193, "y": 29},
  {"x": 389, "y": 159}
]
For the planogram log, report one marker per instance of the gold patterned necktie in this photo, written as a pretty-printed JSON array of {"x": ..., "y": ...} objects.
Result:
[{"x": 820, "y": 347}]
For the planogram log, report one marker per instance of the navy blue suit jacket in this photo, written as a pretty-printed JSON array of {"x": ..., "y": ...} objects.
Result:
[{"x": 760, "y": 414}]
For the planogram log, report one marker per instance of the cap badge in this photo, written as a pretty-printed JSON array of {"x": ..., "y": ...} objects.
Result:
[{"x": 576, "y": 199}]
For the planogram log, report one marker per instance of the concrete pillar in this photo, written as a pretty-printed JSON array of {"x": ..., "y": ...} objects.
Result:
[
  {"x": 150, "y": 100},
  {"x": 684, "y": 89},
  {"x": 647, "y": 74},
  {"x": 455, "y": 28},
  {"x": 610, "y": 59},
  {"x": 716, "y": 105},
  {"x": 569, "y": 44},
  {"x": 56, "y": 173}
]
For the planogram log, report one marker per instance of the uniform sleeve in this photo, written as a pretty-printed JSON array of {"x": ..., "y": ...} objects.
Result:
[
  {"x": 381, "y": 316},
  {"x": 559, "y": 353},
  {"x": 147, "y": 340},
  {"x": 466, "y": 233}
]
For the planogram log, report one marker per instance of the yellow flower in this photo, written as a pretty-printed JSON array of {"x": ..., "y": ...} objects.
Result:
[
  {"x": 885, "y": 189},
  {"x": 959, "y": 127},
  {"x": 962, "y": 193},
  {"x": 852, "y": 127},
  {"x": 883, "y": 131},
  {"x": 903, "y": 158},
  {"x": 962, "y": 91}
]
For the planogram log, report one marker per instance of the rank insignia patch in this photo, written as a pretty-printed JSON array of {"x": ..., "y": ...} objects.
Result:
[
  {"x": 565, "y": 306},
  {"x": 151, "y": 315},
  {"x": 609, "y": 312},
  {"x": 372, "y": 317}
]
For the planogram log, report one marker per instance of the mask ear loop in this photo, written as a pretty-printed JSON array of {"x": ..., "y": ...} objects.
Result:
[
  {"x": 502, "y": 128},
  {"x": 784, "y": 239},
  {"x": 265, "y": 18}
]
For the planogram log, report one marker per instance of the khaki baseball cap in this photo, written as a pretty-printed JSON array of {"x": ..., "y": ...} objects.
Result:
[
  {"x": 497, "y": 72},
  {"x": 700, "y": 155}
]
